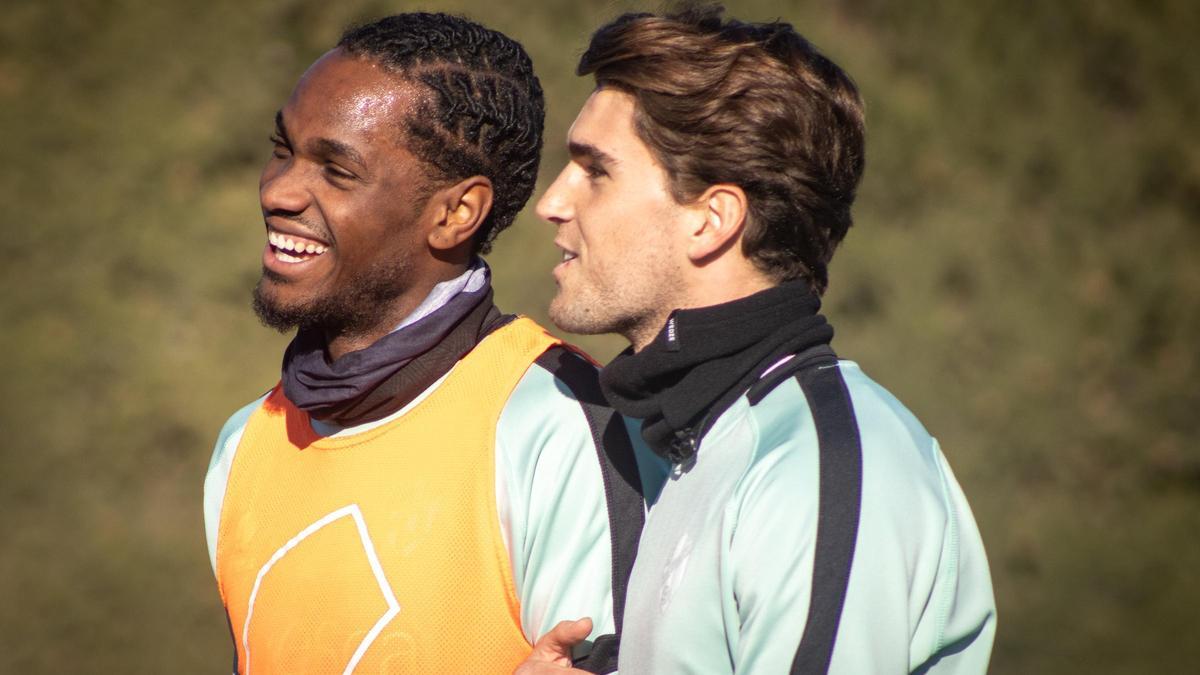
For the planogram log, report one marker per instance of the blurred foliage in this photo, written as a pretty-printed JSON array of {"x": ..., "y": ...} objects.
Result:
[{"x": 1023, "y": 273}]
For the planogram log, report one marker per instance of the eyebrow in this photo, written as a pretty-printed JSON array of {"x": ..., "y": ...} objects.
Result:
[
  {"x": 326, "y": 147},
  {"x": 588, "y": 151}
]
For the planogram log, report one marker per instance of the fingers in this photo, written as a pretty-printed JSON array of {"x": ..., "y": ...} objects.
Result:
[
  {"x": 532, "y": 668},
  {"x": 540, "y": 668},
  {"x": 555, "y": 647}
]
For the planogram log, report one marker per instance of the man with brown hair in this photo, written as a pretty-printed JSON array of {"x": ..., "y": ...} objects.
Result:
[{"x": 810, "y": 523}]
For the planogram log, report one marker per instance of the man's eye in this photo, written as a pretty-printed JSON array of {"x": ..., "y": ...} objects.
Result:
[
  {"x": 593, "y": 171},
  {"x": 336, "y": 172},
  {"x": 281, "y": 147}
]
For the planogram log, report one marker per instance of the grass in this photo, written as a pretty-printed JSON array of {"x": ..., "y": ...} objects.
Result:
[{"x": 1022, "y": 273}]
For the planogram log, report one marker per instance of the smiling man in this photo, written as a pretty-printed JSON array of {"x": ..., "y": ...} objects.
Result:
[
  {"x": 423, "y": 491},
  {"x": 810, "y": 523}
]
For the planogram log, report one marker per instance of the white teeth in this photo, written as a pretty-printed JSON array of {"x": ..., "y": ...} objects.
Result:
[
  {"x": 568, "y": 256},
  {"x": 280, "y": 255},
  {"x": 284, "y": 243}
]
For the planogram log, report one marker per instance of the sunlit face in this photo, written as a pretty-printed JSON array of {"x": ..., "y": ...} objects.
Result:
[
  {"x": 340, "y": 198},
  {"x": 619, "y": 228}
]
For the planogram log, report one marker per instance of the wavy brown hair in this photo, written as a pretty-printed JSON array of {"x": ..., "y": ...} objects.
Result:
[{"x": 752, "y": 104}]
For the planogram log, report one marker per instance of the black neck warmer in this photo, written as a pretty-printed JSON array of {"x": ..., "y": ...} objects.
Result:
[
  {"x": 372, "y": 383},
  {"x": 705, "y": 358}
]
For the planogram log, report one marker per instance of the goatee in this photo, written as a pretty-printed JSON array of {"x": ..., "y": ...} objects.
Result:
[{"x": 357, "y": 306}]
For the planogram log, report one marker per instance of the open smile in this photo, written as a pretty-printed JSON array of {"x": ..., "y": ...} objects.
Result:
[
  {"x": 292, "y": 249},
  {"x": 287, "y": 251},
  {"x": 567, "y": 256}
]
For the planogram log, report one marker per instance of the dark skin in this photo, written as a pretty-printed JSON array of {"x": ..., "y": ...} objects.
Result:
[{"x": 353, "y": 246}]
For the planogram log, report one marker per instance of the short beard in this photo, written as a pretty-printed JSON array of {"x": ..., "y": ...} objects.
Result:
[
  {"x": 356, "y": 308},
  {"x": 591, "y": 318}
]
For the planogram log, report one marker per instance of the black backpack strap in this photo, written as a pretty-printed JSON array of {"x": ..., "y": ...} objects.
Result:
[
  {"x": 622, "y": 488},
  {"x": 821, "y": 354},
  {"x": 839, "y": 499}
]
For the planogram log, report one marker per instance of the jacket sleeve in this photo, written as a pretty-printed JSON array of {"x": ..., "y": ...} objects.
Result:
[
  {"x": 551, "y": 503},
  {"x": 919, "y": 598},
  {"x": 217, "y": 478}
]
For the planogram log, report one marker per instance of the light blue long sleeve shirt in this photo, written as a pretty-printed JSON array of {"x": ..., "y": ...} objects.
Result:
[{"x": 724, "y": 569}]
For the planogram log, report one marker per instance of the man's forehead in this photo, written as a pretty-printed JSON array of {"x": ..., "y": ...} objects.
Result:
[
  {"x": 355, "y": 93},
  {"x": 605, "y": 118},
  {"x": 606, "y": 124}
]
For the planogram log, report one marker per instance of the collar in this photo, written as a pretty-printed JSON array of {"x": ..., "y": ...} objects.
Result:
[
  {"x": 371, "y": 383},
  {"x": 704, "y": 359}
]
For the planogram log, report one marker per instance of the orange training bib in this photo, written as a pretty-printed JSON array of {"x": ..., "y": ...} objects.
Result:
[{"x": 378, "y": 552}]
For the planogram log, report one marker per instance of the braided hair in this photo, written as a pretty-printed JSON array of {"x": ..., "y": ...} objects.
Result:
[{"x": 486, "y": 113}]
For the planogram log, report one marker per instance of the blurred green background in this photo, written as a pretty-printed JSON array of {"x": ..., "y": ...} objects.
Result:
[{"x": 1023, "y": 273}]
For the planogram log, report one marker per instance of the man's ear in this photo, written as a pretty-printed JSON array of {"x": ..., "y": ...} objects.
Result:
[
  {"x": 461, "y": 209},
  {"x": 722, "y": 211}
]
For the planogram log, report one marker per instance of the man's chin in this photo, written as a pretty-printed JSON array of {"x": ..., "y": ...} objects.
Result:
[
  {"x": 575, "y": 318},
  {"x": 273, "y": 313},
  {"x": 336, "y": 314},
  {"x": 354, "y": 305},
  {"x": 276, "y": 312}
]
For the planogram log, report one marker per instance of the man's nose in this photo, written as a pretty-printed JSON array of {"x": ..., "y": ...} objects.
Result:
[
  {"x": 280, "y": 190},
  {"x": 554, "y": 206}
]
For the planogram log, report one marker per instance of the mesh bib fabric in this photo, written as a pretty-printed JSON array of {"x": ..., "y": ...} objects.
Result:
[{"x": 378, "y": 552}]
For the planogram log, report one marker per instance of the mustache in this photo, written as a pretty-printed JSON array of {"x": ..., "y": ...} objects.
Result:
[{"x": 318, "y": 230}]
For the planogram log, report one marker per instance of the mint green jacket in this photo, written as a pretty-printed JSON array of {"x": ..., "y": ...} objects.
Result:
[{"x": 723, "y": 575}]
